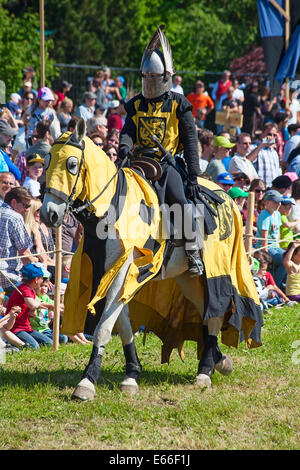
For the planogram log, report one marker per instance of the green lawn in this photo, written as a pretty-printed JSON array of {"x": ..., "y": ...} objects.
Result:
[{"x": 256, "y": 407}]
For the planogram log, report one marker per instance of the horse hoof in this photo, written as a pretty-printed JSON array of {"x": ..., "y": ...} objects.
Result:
[
  {"x": 129, "y": 385},
  {"x": 84, "y": 391},
  {"x": 203, "y": 381},
  {"x": 225, "y": 365}
]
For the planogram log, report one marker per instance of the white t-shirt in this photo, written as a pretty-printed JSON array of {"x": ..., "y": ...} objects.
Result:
[
  {"x": 243, "y": 165},
  {"x": 33, "y": 186},
  {"x": 295, "y": 108}
]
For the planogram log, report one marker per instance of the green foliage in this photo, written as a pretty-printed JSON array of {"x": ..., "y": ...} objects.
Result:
[{"x": 20, "y": 47}]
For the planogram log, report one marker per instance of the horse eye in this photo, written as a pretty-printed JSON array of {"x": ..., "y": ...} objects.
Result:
[
  {"x": 47, "y": 159},
  {"x": 72, "y": 165}
]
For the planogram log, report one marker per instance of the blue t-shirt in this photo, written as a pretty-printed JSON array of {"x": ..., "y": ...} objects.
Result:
[
  {"x": 271, "y": 223},
  {"x": 7, "y": 165}
]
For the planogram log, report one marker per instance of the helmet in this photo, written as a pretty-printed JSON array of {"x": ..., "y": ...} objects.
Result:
[{"x": 157, "y": 66}]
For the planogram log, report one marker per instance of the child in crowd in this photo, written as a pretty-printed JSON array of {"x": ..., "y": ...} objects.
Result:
[
  {"x": 44, "y": 314},
  {"x": 240, "y": 198},
  {"x": 291, "y": 261},
  {"x": 6, "y": 323},
  {"x": 275, "y": 295},
  {"x": 35, "y": 166},
  {"x": 25, "y": 298},
  {"x": 288, "y": 228}
]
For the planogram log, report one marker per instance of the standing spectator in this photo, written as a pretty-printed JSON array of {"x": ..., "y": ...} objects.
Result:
[
  {"x": 232, "y": 105},
  {"x": 268, "y": 233},
  {"x": 25, "y": 298},
  {"x": 7, "y": 182},
  {"x": 222, "y": 147},
  {"x": 108, "y": 83},
  {"x": 200, "y": 99},
  {"x": 238, "y": 93},
  {"x": 6, "y": 135},
  {"x": 87, "y": 108},
  {"x": 118, "y": 90},
  {"x": 267, "y": 162},
  {"x": 251, "y": 110},
  {"x": 295, "y": 213},
  {"x": 97, "y": 89},
  {"x": 240, "y": 162},
  {"x": 291, "y": 261},
  {"x": 177, "y": 85},
  {"x": 14, "y": 105},
  {"x": 64, "y": 113},
  {"x": 259, "y": 188},
  {"x": 221, "y": 87},
  {"x": 61, "y": 93},
  {"x": 282, "y": 184},
  {"x": 35, "y": 167},
  {"x": 14, "y": 238},
  {"x": 114, "y": 120},
  {"x": 240, "y": 198},
  {"x": 206, "y": 140},
  {"x": 281, "y": 119}
]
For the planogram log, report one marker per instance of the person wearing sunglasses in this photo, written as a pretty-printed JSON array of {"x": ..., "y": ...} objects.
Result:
[
  {"x": 240, "y": 161},
  {"x": 267, "y": 164},
  {"x": 14, "y": 238},
  {"x": 111, "y": 152}
]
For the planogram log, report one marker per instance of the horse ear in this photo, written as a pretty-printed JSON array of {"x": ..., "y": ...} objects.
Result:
[{"x": 80, "y": 130}]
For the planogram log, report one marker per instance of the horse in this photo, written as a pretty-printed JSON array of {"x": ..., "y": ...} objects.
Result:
[{"x": 81, "y": 178}]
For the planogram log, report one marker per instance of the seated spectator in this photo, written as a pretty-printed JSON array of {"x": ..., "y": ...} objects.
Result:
[
  {"x": 267, "y": 161},
  {"x": 14, "y": 105},
  {"x": 295, "y": 212},
  {"x": 225, "y": 181},
  {"x": 7, "y": 182},
  {"x": 118, "y": 91},
  {"x": 291, "y": 261},
  {"x": 176, "y": 85},
  {"x": 206, "y": 140},
  {"x": 64, "y": 113},
  {"x": 276, "y": 296},
  {"x": 240, "y": 197},
  {"x": 15, "y": 240},
  {"x": 200, "y": 118},
  {"x": 25, "y": 298},
  {"x": 287, "y": 228},
  {"x": 43, "y": 111},
  {"x": 282, "y": 184},
  {"x": 27, "y": 87},
  {"x": 290, "y": 145},
  {"x": 41, "y": 322},
  {"x": 35, "y": 168},
  {"x": 241, "y": 180},
  {"x": 6, "y": 135},
  {"x": 222, "y": 147},
  {"x": 6, "y": 323},
  {"x": 240, "y": 161},
  {"x": 268, "y": 233},
  {"x": 87, "y": 108},
  {"x": 97, "y": 140},
  {"x": 114, "y": 120},
  {"x": 113, "y": 138}
]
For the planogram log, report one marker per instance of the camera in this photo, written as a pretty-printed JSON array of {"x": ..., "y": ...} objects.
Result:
[{"x": 268, "y": 141}]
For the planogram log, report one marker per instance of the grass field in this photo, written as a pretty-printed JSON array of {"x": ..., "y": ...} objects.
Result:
[{"x": 256, "y": 407}]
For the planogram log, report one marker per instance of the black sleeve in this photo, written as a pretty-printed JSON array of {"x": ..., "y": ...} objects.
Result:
[
  {"x": 128, "y": 133},
  {"x": 189, "y": 140}
]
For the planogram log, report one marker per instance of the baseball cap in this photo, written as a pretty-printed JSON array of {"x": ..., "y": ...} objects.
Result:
[
  {"x": 272, "y": 195},
  {"x": 15, "y": 96},
  {"x": 34, "y": 158},
  {"x": 66, "y": 84},
  {"x": 222, "y": 141},
  {"x": 288, "y": 200},
  {"x": 88, "y": 95},
  {"x": 282, "y": 181},
  {"x": 225, "y": 178},
  {"x": 45, "y": 94},
  {"x": 33, "y": 270},
  {"x": 237, "y": 192},
  {"x": 6, "y": 129}
]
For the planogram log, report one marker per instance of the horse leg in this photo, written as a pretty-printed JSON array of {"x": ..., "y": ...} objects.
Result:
[
  {"x": 85, "y": 390},
  {"x": 211, "y": 358}
]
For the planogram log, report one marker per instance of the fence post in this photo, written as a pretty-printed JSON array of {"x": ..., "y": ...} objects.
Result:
[
  {"x": 58, "y": 270},
  {"x": 249, "y": 223}
]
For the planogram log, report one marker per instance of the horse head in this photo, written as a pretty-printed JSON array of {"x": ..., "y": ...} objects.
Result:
[{"x": 75, "y": 169}]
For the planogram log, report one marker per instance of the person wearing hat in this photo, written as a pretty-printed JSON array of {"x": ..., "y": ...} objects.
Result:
[
  {"x": 222, "y": 147},
  {"x": 239, "y": 196},
  {"x": 24, "y": 296},
  {"x": 87, "y": 108},
  {"x": 42, "y": 110},
  {"x": 268, "y": 232},
  {"x": 225, "y": 181},
  {"x": 35, "y": 167},
  {"x": 288, "y": 228},
  {"x": 7, "y": 133},
  {"x": 114, "y": 120}
]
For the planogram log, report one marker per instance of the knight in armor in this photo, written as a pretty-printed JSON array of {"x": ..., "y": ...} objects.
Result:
[{"x": 167, "y": 115}]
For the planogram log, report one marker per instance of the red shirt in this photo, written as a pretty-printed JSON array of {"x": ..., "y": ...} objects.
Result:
[
  {"x": 22, "y": 322},
  {"x": 269, "y": 280},
  {"x": 114, "y": 121},
  {"x": 200, "y": 101}
]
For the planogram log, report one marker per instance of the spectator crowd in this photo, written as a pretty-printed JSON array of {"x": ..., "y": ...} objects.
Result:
[{"x": 254, "y": 147}]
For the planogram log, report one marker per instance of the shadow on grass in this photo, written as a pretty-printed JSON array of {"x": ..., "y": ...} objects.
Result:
[{"x": 69, "y": 378}]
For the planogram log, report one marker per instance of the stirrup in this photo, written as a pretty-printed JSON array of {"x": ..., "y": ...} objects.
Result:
[{"x": 195, "y": 265}]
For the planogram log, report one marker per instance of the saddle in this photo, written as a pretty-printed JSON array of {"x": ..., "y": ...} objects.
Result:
[{"x": 148, "y": 167}]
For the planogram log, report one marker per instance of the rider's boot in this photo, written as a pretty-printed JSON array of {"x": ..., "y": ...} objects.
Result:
[{"x": 195, "y": 264}]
